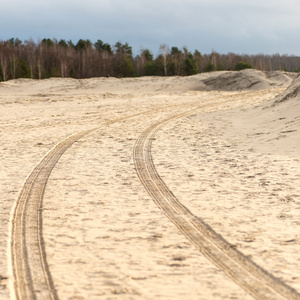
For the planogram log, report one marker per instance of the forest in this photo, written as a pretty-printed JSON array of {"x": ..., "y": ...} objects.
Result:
[{"x": 52, "y": 58}]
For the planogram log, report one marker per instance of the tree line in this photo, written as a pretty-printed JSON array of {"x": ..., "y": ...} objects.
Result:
[{"x": 52, "y": 58}]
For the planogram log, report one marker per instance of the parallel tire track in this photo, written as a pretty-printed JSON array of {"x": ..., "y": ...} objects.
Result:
[
  {"x": 31, "y": 274},
  {"x": 255, "y": 280},
  {"x": 30, "y": 271}
]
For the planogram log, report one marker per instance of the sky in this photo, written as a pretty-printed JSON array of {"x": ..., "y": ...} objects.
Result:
[{"x": 224, "y": 26}]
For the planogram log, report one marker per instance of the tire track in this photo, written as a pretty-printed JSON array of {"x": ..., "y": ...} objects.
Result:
[
  {"x": 32, "y": 278},
  {"x": 255, "y": 280},
  {"x": 29, "y": 268}
]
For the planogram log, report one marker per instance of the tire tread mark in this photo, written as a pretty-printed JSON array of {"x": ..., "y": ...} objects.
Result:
[
  {"x": 26, "y": 241},
  {"x": 252, "y": 278},
  {"x": 30, "y": 271},
  {"x": 31, "y": 275}
]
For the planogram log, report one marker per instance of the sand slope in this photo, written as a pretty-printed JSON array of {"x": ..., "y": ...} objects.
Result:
[
  {"x": 292, "y": 92},
  {"x": 248, "y": 80},
  {"x": 273, "y": 126}
]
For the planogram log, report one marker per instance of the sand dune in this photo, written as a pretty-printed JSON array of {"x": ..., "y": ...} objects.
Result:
[
  {"x": 272, "y": 127},
  {"x": 119, "y": 205},
  {"x": 248, "y": 80},
  {"x": 218, "y": 81},
  {"x": 292, "y": 92}
]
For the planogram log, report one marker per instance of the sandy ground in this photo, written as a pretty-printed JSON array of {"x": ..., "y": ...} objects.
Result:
[{"x": 233, "y": 161}]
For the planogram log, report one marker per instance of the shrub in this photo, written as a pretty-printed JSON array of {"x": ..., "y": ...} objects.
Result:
[{"x": 241, "y": 66}]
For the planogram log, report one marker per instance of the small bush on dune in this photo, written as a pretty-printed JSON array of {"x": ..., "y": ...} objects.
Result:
[{"x": 242, "y": 66}]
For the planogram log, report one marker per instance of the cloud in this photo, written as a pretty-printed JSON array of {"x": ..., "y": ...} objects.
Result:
[{"x": 232, "y": 25}]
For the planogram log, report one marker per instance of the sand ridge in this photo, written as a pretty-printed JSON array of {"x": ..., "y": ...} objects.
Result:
[{"x": 104, "y": 236}]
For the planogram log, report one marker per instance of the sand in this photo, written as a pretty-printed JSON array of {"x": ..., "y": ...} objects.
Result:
[{"x": 233, "y": 161}]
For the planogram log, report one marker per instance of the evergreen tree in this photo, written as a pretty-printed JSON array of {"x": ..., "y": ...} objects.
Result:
[
  {"x": 22, "y": 69},
  {"x": 123, "y": 65},
  {"x": 100, "y": 46},
  {"x": 190, "y": 65},
  {"x": 210, "y": 67},
  {"x": 198, "y": 60}
]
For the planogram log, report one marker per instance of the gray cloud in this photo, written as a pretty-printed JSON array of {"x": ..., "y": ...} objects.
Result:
[{"x": 225, "y": 26}]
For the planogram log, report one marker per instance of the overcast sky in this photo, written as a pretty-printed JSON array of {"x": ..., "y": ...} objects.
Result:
[{"x": 238, "y": 26}]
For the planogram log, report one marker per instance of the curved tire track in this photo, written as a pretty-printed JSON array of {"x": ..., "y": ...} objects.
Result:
[
  {"x": 31, "y": 275},
  {"x": 255, "y": 280},
  {"x": 30, "y": 271}
]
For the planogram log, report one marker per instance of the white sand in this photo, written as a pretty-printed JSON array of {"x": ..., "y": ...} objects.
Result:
[{"x": 235, "y": 165}]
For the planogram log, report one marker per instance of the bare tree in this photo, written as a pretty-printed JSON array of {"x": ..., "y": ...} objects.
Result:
[
  {"x": 40, "y": 59},
  {"x": 165, "y": 53},
  {"x": 4, "y": 60},
  {"x": 30, "y": 56},
  {"x": 51, "y": 58},
  {"x": 177, "y": 57}
]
